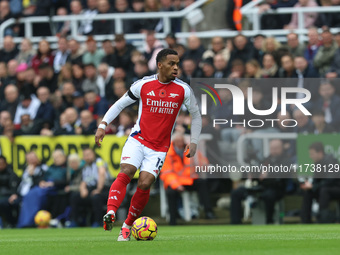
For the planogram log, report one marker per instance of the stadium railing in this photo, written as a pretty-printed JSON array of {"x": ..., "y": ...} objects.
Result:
[
  {"x": 117, "y": 17},
  {"x": 250, "y": 10},
  {"x": 241, "y": 151}
]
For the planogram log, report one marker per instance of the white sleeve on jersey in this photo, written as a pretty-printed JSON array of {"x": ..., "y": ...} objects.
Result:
[
  {"x": 117, "y": 107},
  {"x": 196, "y": 120}
]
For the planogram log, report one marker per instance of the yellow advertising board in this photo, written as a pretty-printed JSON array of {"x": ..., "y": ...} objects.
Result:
[{"x": 110, "y": 151}]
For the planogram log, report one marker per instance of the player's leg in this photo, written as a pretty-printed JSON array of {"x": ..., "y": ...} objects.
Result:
[
  {"x": 117, "y": 194},
  {"x": 132, "y": 156},
  {"x": 138, "y": 202},
  {"x": 151, "y": 165}
]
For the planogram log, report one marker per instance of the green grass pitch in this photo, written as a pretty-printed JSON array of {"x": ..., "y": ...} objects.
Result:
[{"x": 223, "y": 239}]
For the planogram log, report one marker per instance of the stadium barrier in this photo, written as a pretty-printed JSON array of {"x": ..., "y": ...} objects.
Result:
[
  {"x": 110, "y": 151},
  {"x": 249, "y": 10}
]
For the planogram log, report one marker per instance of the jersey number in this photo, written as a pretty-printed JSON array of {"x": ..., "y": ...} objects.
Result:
[{"x": 159, "y": 164}]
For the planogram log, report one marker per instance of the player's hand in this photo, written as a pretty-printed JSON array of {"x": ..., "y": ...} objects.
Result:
[
  {"x": 99, "y": 136},
  {"x": 192, "y": 147}
]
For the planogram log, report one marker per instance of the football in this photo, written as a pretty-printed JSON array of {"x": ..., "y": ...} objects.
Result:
[
  {"x": 42, "y": 219},
  {"x": 144, "y": 229}
]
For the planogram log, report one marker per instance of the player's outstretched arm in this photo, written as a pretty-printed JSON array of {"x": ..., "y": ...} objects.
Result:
[
  {"x": 196, "y": 124},
  {"x": 111, "y": 114}
]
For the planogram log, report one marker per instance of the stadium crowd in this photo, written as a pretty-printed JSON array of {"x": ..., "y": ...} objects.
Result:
[{"x": 67, "y": 90}]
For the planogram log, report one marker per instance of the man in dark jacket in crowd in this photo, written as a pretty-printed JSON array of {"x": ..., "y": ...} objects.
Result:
[{"x": 323, "y": 186}]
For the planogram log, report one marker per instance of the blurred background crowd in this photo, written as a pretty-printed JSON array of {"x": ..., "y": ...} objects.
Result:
[{"x": 66, "y": 88}]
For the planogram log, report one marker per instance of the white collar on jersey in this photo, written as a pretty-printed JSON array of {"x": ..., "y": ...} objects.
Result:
[{"x": 162, "y": 82}]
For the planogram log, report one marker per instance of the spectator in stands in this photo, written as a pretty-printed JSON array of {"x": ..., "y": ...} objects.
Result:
[
  {"x": 305, "y": 69},
  {"x": 195, "y": 49},
  {"x": 11, "y": 100},
  {"x": 270, "y": 68},
  {"x": 119, "y": 89},
  {"x": 86, "y": 27},
  {"x": 76, "y": 7},
  {"x": 76, "y": 54},
  {"x": 61, "y": 54},
  {"x": 270, "y": 189},
  {"x": 331, "y": 19},
  {"x": 271, "y": 45},
  {"x": 304, "y": 123},
  {"x": 320, "y": 125},
  {"x": 4, "y": 117},
  {"x": 78, "y": 76},
  {"x": 151, "y": 49},
  {"x": 308, "y": 17},
  {"x": 220, "y": 65},
  {"x": 79, "y": 101},
  {"x": 171, "y": 40},
  {"x": 97, "y": 105},
  {"x": 122, "y": 54},
  {"x": 151, "y": 24},
  {"x": 68, "y": 122},
  {"x": 88, "y": 125},
  {"x": 277, "y": 21},
  {"x": 55, "y": 180},
  {"x": 5, "y": 14},
  {"x": 109, "y": 50},
  {"x": 4, "y": 80},
  {"x": 243, "y": 50},
  {"x": 8, "y": 185},
  {"x": 178, "y": 178},
  {"x": 103, "y": 26},
  {"x": 334, "y": 70},
  {"x": 189, "y": 70},
  {"x": 253, "y": 69},
  {"x": 12, "y": 66},
  {"x": 29, "y": 105},
  {"x": 63, "y": 28},
  {"x": 93, "y": 192},
  {"x": 323, "y": 187},
  {"x": 287, "y": 69},
  {"x": 126, "y": 122},
  {"x": 91, "y": 79},
  {"x": 141, "y": 70},
  {"x": 48, "y": 77},
  {"x": 122, "y": 6},
  {"x": 67, "y": 91},
  {"x": 208, "y": 69},
  {"x": 137, "y": 25},
  {"x": 44, "y": 56},
  {"x": 27, "y": 126},
  {"x": 258, "y": 41},
  {"x": 295, "y": 48},
  {"x": 9, "y": 51},
  {"x": 26, "y": 52},
  {"x": 329, "y": 102},
  {"x": 105, "y": 79},
  {"x": 313, "y": 44},
  {"x": 45, "y": 114},
  {"x": 237, "y": 69},
  {"x": 217, "y": 47},
  {"x": 65, "y": 74},
  {"x": 74, "y": 173},
  {"x": 325, "y": 55},
  {"x": 92, "y": 54},
  {"x": 28, "y": 188}
]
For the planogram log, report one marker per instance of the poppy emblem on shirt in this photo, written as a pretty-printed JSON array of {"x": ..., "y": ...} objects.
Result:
[{"x": 162, "y": 93}]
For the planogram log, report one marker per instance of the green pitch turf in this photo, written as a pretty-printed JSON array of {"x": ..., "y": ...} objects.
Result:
[{"x": 223, "y": 239}]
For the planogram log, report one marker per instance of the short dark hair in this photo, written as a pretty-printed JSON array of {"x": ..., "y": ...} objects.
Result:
[
  {"x": 318, "y": 147},
  {"x": 163, "y": 53},
  {"x": 4, "y": 158}
]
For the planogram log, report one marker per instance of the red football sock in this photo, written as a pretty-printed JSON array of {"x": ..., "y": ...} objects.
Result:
[
  {"x": 138, "y": 202},
  {"x": 117, "y": 192}
]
